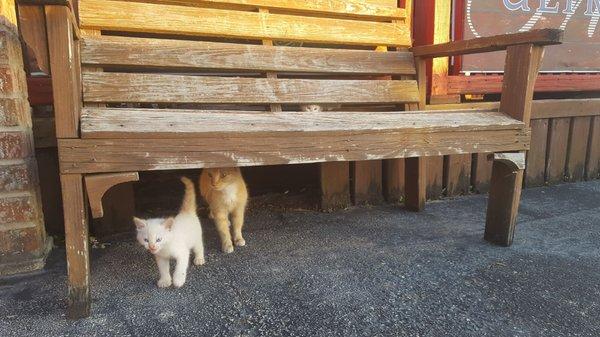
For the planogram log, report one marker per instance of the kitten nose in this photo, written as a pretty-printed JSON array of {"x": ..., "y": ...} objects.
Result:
[{"x": 152, "y": 247}]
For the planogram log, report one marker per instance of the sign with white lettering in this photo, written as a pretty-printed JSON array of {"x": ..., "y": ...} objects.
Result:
[{"x": 580, "y": 51}]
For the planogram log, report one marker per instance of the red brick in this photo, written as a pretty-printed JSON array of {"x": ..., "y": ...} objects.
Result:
[
  {"x": 13, "y": 81},
  {"x": 18, "y": 177},
  {"x": 15, "y": 145},
  {"x": 14, "y": 242},
  {"x": 14, "y": 111},
  {"x": 17, "y": 209},
  {"x": 10, "y": 48}
]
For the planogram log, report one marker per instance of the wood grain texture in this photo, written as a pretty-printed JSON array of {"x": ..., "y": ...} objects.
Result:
[
  {"x": 118, "y": 155},
  {"x": 520, "y": 72},
  {"x": 157, "y": 88},
  {"x": 367, "y": 182},
  {"x": 577, "y": 149},
  {"x": 457, "y": 174},
  {"x": 503, "y": 204},
  {"x": 337, "y": 8},
  {"x": 592, "y": 170},
  {"x": 393, "y": 180},
  {"x": 535, "y": 172},
  {"x": 539, "y": 37},
  {"x": 481, "y": 171},
  {"x": 492, "y": 84},
  {"x": 186, "y": 55},
  {"x": 63, "y": 67},
  {"x": 558, "y": 140},
  {"x": 415, "y": 184},
  {"x": 97, "y": 185},
  {"x": 76, "y": 242},
  {"x": 141, "y": 17},
  {"x": 435, "y": 177},
  {"x": 33, "y": 34},
  {"x": 157, "y": 123},
  {"x": 335, "y": 186}
]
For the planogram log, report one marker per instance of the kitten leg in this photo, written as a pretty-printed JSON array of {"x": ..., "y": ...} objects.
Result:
[
  {"x": 222, "y": 224},
  {"x": 238, "y": 223},
  {"x": 199, "y": 253},
  {"x": 165, "y": 274},
  {"x": 181, "y": 270}
]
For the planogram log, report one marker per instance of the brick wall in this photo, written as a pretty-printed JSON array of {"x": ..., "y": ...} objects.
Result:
[{"x": 23, "y": 240}]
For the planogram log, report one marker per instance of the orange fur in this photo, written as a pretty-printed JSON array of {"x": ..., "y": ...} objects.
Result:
[{"x": 225, "y": 192}]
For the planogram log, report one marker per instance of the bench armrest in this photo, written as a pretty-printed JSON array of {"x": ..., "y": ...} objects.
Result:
[{"x": 540, "y": 37}]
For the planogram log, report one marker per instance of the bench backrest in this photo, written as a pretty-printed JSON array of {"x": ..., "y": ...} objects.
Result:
[{"x": 221, "y": 52}]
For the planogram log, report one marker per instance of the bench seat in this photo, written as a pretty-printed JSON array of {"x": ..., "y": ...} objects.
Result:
[{"x": 116, "y": 140}]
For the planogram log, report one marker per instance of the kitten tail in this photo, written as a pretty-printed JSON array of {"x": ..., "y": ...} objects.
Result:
[{"x": 189, "y": 198}]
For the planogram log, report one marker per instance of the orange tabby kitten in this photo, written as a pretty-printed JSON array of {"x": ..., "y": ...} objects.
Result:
[{"x": 225, "y": 192}]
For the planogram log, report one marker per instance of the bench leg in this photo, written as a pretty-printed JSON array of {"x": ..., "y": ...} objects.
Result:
[
  {"x": 335, "y": 185},
  {"x": 76, "y": 242},
  {"x": 415, "y": 183},
  {"x": 503, "y": 203}
]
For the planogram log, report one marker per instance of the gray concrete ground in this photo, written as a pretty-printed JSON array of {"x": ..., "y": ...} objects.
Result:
[{"x": 363, "y": 272}]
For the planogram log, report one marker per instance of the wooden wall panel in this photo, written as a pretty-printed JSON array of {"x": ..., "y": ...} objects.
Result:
[
  {"x": 536, "y": 156},
  {"x": 558, "y": 140},
  {"x": 577, "y": 149},
  {"x": 457, "y": 174},
  {"x": 435, "y": 177},
  {"x": 593, "y": 160}
]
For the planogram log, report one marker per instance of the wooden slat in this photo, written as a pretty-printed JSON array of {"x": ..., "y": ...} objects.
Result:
[
  {"x": 481, "y": 171},
  {"x": 141, "y": 17},
  {"x": 393, "y": 173},
  {"x": 335, "y": 185},
  {"x": 154, "y": 88},
  {"x": 558, "y": 140},
  {"x": 181, "y": 54},
  {"x": 156, "y": 123},
  {"x": 577, "y": 149},
  {"x": 341, "y": 8},
  {"x": 32, "y": 24},
  {"x": 540, "y": 37},
  {"x": 114, "y": 155},
  {"x": 536, "y": 156},
  {"x": 492, "y": 84},
  {"x": 367, "y": 182},
  {"x": 416, "y": 183},
  {"x": 592, "y": 170}
]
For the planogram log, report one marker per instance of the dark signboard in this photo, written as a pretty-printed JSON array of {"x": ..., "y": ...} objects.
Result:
[{"x": 579, "y": 18}]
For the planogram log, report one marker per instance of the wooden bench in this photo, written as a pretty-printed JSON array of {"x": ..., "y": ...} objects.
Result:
[{"x": 148, "y": 86}]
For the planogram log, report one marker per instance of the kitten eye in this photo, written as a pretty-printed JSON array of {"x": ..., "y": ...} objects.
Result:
[
  {"x": 145, "y": 240},
  {"x": 223, "y": 175},
  {"x": 158, "y": 239}
]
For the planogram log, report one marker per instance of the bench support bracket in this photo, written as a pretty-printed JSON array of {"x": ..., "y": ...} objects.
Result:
[{"x": 96, "y": 186}]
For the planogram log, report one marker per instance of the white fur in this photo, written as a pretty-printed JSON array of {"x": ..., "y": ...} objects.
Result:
[{"x": 175, "y": 243}]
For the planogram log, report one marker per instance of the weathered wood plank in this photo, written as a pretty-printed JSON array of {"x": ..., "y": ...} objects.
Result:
[
  {"x": 540, "y": 37},
  {"x": 63, "y": 68},
  {"x": 335, "y": 185},
  {"x": 337, "y": 8},
  {"x": 457, "y": 174},
  {"x": 416, "y": 183},
  {"x": 592, "y": 170},
  {"x": 491, "y": 84},
  {"x": 98, "y": 184},
  {"x": 33, "y": 33},
  {"x": 156, "y": 123},
  {"x": 181, "y": 54},
  {"x": 76, "y": 242},
  {"x": 577, "y": 149},
  {"x": 535, "y": 172},
  {"x": 141, "y": 17},
  {"x": 158, "y": 88},
  {"x": 367, "y": 182},
  {"x": 558, "y": 140},
  {"x": 481, "y": 171},
  {"x": 393, "y": 180},
  {"x": 435, "y": 177},
  {"x": 118, "y": 155}
]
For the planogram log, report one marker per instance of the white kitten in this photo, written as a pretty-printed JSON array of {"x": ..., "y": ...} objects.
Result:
[
  {"x": 319, "y": 108},
  {"x": 173, "y": 238}
]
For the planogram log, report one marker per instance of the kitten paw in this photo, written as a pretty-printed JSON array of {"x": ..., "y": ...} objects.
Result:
[
  {"x": 199, "y": 260},
  {"x": 164, "y": 283},
  {"x": 240, "y": 242},
  {"x": 178, "y": 281},
  {"x": 227, "y": 248}
]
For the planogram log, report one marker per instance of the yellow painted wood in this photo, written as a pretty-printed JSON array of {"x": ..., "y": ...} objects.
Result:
[
  {"x": 441, "y": 33},
  {"x": 8, "y": 12},
  {"x": 142, "y": 17},
  {"x": 370, "y": 9}
]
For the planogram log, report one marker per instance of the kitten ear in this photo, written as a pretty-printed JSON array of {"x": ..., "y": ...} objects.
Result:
[
  {"x": 139, "y": 223},
  {"x": 168, "y": 223}
]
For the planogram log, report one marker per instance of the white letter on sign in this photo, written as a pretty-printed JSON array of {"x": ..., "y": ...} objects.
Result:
[
  {"x": 544, "y": 9},
  {"x": 521, "y": 4}
]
